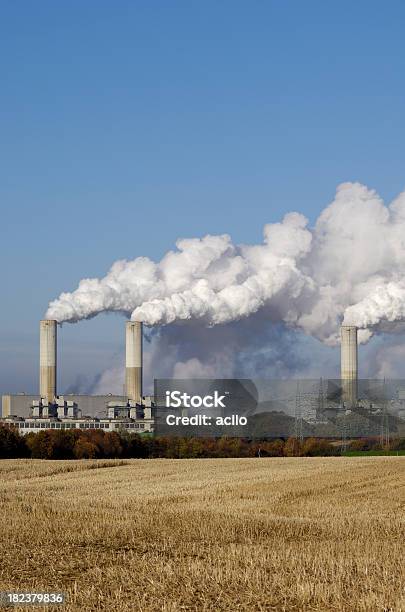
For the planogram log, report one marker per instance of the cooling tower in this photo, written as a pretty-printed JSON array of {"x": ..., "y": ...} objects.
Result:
[
  {"x": 348, "y": 364},
  {"x": 133, "y": 361},
  {"x": 47, "y": 360}
]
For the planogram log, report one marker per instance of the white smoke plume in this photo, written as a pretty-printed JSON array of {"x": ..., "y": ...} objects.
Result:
[{"x": 348, "y": 268}]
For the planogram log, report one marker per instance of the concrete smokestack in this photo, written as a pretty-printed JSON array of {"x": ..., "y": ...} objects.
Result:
[
  {"x": 47, "y": 359},
  {"x": 348, "y": 364},
  {"x": 133, "y": 361}
]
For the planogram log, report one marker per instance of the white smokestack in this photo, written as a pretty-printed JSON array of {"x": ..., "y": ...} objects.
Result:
[
  {"x": 348, "y": 364},
  {"x": 47, "y": 359},
  {"x": 133, "y": 361}
]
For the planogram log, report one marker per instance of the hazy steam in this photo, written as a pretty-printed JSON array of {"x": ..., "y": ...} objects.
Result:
[{"x": 349, "y": 267}]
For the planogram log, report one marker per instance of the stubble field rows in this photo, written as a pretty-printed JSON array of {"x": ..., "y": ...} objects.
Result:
[{"x": 218, "y": 534}]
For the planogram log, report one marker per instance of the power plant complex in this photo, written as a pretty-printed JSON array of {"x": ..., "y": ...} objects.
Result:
[
  {"x": 131, "y": 411},
  {"x": 134, "y": 412}
]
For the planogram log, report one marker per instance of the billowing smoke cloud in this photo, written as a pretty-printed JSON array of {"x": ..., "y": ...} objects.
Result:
[
  {"x": 250, "y": 348},
  {"x": 348, "y": 268}
]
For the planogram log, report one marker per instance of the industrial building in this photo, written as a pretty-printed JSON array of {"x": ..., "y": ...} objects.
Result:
[
  {"x": 321, "y": 403},
  {"x": 132, "y": 412},
  {"x": 90, "y": 405}
]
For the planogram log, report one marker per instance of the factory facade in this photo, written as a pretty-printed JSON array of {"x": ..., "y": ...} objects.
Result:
[{"x": 132, "y": 412}]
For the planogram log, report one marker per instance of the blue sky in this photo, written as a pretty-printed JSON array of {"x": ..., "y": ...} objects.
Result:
[{"x": 125, "y": 125}]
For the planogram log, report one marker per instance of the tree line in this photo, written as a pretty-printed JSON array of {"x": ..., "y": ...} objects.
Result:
[{"x": 97, "y": 444}]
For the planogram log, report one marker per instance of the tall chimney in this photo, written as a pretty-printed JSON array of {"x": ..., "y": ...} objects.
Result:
[
  {"x": 47, "y": 359},
  {"x": 348, "y": 364},
  {"x": 133, "y": 361}
]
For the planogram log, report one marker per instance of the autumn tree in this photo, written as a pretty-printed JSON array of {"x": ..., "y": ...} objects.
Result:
[
  {"x": 12, "y": 444},
  {"x": 292, "y": 447}
]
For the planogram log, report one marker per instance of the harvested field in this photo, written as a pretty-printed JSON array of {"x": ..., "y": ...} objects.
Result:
[{"x": 216, "y": 534}]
